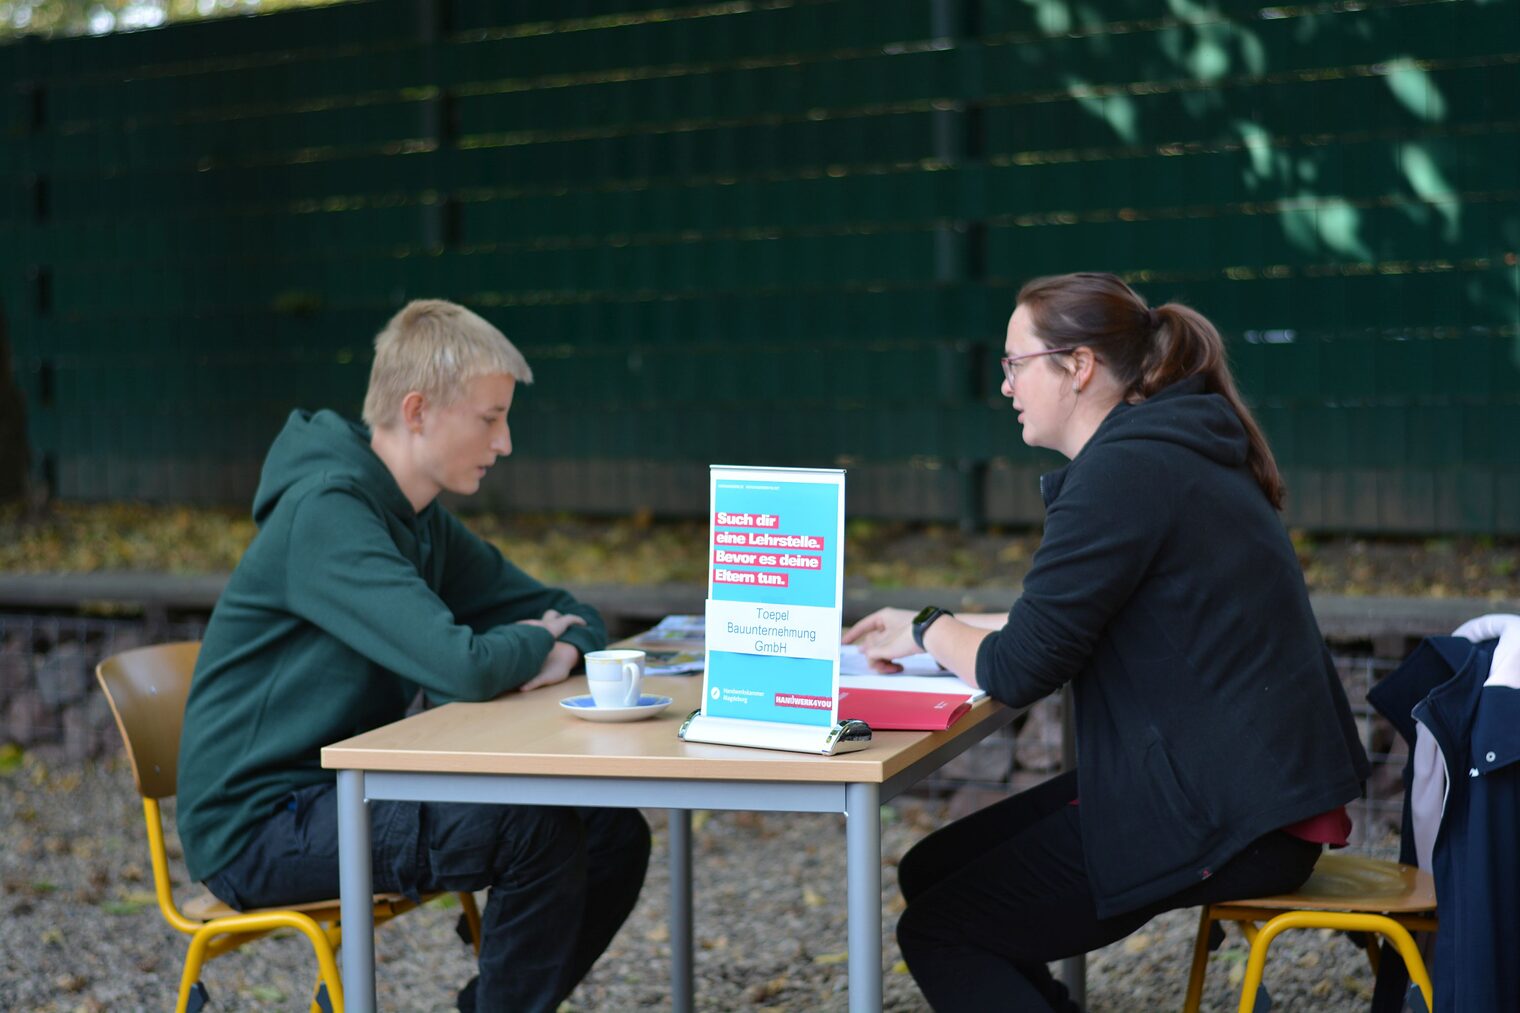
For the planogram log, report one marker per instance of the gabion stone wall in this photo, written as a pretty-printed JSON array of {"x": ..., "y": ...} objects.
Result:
[
  {"x": 51, "y": 708},
  {"x": 50, "y": 704}
]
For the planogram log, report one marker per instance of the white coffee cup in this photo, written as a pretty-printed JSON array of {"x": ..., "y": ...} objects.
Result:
[{"x": 614, "y": 677}]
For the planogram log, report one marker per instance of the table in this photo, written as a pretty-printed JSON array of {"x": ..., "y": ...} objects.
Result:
[{"x": 525, "y": 749}]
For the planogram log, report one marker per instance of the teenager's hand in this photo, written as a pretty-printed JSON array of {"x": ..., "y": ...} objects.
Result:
[
  {"x": 556, "y": 622},
  {"x": 884, "y": 636},
  {"x": 557, "y": 666}
]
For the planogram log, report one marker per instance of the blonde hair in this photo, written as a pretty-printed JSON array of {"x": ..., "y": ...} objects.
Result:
[{"x": 435, "y": 347}]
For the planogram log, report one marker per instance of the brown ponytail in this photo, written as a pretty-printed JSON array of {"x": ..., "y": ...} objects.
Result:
[{"x": 1146, "y": 349}]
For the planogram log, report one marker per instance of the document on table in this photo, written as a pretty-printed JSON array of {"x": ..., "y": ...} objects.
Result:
[
  {"x": 674, "y": 647},
  {"x": 680, "y": 653},
  {"x": 924, "y": 697},
  {"x": 920, "y": 674},
  {"x": 670, "y": 661},
  {"x": 678, "y": 627}
]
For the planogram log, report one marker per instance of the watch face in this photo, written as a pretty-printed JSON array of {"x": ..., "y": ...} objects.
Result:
[{"x": 922, "y": 620}]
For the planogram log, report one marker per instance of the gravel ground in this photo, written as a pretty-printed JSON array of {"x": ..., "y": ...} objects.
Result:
[{"x": 79, "y": 929}]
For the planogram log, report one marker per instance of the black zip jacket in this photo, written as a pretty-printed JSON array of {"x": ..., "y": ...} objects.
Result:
[{"x": 1208, "y": 712}]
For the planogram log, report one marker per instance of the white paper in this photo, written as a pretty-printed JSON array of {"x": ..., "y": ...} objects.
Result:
[
  {"x": 920, "y": 674},
  {"x": 852, "y": 661}
]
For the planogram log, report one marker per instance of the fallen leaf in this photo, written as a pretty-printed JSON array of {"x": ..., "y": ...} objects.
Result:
[
  {"x": 766, "y": 990},
  {"x": 1362, "y": 989},
  {"x": 831, "y": 958}
]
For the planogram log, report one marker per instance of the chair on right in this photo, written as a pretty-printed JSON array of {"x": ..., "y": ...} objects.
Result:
[{"x": 1346, "y": 893}]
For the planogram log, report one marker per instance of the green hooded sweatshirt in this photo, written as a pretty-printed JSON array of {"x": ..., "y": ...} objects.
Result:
[{"x": 346, "y": 603}]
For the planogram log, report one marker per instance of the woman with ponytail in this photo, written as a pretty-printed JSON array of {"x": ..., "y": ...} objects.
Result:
[{"x": 1216, "y": 750}]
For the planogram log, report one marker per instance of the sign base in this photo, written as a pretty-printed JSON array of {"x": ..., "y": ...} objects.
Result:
[{"x": 844, "y": 737}]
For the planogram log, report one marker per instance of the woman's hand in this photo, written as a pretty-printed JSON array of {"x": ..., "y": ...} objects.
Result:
[{"x": 884, "y": 636}]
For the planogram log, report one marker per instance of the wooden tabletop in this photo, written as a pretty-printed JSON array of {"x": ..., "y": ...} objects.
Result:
[{"x": 530, "y": 733}]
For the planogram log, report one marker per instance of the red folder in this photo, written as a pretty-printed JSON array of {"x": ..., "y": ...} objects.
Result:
[{"x": 885, "y": 709}]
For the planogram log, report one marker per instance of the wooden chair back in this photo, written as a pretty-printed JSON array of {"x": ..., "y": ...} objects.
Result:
[{"x": 146, "y": 688}]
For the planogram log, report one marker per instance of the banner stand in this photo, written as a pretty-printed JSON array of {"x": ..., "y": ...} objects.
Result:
[
  {"x": 844, "y": 737},
  {"x": 775, "y": 586}
]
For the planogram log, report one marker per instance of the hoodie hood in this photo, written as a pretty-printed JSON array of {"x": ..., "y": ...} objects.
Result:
[
  {"x": 328, "y": 447},
  {"x": 1184, "y": 414}
]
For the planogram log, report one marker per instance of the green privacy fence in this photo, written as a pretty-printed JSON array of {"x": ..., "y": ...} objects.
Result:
[{"x": 773, "y": 233}]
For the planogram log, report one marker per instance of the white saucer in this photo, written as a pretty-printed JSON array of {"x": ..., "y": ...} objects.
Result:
[{"x": 585, "y": 707}]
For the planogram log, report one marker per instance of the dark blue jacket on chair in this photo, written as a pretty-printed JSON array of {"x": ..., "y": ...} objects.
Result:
[{"x": 1476, "y": 962}]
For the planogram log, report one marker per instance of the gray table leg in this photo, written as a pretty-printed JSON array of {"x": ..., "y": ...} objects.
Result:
[
  {"x": 863, "y": 858},
  {"x": 682, "y": 995},
  {"x": 356, "y": 884}
]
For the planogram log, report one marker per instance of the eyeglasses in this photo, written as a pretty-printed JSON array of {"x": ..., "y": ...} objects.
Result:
[{"x": 1013, "y": 363}]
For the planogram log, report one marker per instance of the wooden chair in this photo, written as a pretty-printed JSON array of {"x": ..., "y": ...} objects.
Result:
[
  {"x": 146, "y": 689},
  {"x": 1345, "y": 892}
]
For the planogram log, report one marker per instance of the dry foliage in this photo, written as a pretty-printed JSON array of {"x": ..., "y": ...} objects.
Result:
[{"x": 640, "y": 549}]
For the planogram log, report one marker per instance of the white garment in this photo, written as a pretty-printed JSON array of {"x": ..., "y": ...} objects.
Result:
[
  {"x": 1506, "y": 667},
  {"x": 1431, "y": 778},
  {"x": 1427, "y": 794}
]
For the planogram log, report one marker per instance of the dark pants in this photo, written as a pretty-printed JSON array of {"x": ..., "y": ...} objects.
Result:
[
  {"x": 993, "y": 897},
  {"x": 562, "y": 880}
]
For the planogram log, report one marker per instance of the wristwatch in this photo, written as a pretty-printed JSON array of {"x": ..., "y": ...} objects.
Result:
[{"x": 924, "y": 620}]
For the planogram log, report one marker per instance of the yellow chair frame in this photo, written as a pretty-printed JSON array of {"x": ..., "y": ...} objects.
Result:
[
  {"x": 1345, "y": 892},
  {"x": 146, "y": 689}
]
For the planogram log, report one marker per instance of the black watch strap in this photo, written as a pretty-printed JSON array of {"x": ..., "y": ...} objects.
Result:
[{"x": 924, "y": 620}]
